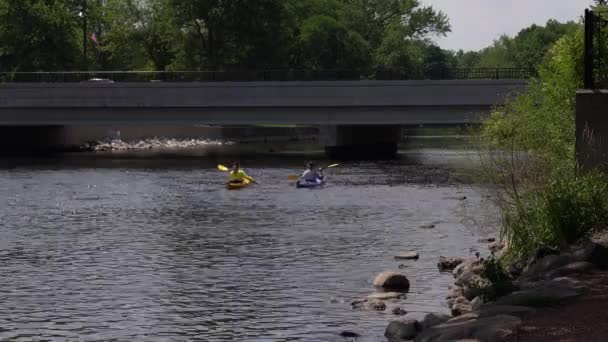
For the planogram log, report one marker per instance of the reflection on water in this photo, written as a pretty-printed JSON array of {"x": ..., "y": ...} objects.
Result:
[{"x": 155, "y": 249}]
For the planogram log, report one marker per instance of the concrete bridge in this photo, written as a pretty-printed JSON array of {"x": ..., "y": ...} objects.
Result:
[{"x": 353, "y": 113}]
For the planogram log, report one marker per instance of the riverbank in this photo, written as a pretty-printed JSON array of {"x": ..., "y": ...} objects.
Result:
[{"x": 554, "y": 296}]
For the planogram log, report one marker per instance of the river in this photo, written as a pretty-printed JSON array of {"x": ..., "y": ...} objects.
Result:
[{"x": 152, "y": 247}]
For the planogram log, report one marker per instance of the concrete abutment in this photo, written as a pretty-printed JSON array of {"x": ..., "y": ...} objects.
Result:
[
  {"x": 592, "y": 129},
  {"x": 361, "y": 141}
]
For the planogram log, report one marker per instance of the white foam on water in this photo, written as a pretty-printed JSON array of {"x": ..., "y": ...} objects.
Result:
[{"x": 155, "y": 143}]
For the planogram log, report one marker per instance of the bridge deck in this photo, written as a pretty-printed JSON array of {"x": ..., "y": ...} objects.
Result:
[{"x": 316, "y": 102}]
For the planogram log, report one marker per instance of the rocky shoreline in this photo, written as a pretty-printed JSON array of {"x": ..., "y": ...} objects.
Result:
[
  {"x": 488, "y": 304},
  {"x": 149, "y": 144}
]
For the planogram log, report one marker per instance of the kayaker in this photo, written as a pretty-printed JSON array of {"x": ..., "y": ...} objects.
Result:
[
  {"x": 312, "y": 175},
  {"x": 237, "y": 175}
]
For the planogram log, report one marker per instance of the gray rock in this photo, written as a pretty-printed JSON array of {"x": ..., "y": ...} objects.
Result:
[
  {"x": 487, "y": 240},
  {"x": 497, "y": 246},
  {"x": 433, "y": 319},
  {"x": 538, "y": 267},
  {"x": 402, "y": 330},
  {"x": 461, "y": 309},
  {"x": 449, "y": 263},
  {"x": 491, "y": 310},
  {"x": 392, "y": 281},
  {"x": 398, "y": 311},
  {"x": 461, "y": 300},
  {"x": 573, "y": 268},
  {"x": 593, "y": 249},
  {"x": 376, "y": 305},
  {"x": 407, "y": 256},
  {"x": 454, "y": 292},
  {"x": 545, "y": 295},
  {"x": 496, "y": 328},
  {"x": 473, "y": 266},
  {"x": 349, "y": 334},
  {"x": 476, "y": 303},
  {"x": 385, "y": 296},
  {"x": 358, "y": 304}
]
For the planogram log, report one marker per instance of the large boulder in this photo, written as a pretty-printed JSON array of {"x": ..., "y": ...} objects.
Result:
[
  {"x": 538, "y": 267},
  {"x": 549, "y": 293},
  {"x": 593, "y": 249},
  {"x": 392, "y": 281},
  {"x": 402, "y": 330},
  {"x": 432, "y": 319},
  {"x": 579, "y": 267},
  {"x": 496, "y": 328},
  {"x": 449, "y": 263},
  {"x": 490, "y": 310}
]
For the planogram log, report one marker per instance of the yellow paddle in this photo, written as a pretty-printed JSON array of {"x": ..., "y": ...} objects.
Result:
[
  {"x": 224, "y": 168},
  {"x": 295, "y": 178}
]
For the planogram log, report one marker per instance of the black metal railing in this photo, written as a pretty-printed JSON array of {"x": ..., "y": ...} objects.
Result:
[
  {"x": 596, "y": 45},
  {"x": 267, "y": 75}
]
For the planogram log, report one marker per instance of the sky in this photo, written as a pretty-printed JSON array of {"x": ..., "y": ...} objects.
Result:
[{"x": 477, "y": 23}]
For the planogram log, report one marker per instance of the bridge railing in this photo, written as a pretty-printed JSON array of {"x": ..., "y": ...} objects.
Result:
[
  {"x": 266, "y": 75},
  {"x": 596, "y": 49}
]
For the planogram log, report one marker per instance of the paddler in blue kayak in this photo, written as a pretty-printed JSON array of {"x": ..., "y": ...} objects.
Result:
[
  {"x": 311, "y": 175},
  {"x": 238, "y": 175}
]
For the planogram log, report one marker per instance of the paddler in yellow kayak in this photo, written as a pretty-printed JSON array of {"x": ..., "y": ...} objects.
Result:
[{"x": 238, "y": 176}]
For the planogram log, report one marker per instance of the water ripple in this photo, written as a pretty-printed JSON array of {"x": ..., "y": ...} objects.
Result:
[{"x": 170, "y": 255}]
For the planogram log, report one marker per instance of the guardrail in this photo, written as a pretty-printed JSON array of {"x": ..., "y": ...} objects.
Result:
[{"x": 266, "y": 75}]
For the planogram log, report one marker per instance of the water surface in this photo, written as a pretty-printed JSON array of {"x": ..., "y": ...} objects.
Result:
[{"x": 156, "y": 249}]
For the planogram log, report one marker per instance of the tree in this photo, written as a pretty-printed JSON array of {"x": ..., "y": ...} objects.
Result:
[
  {"x": 526, "y": 50},
  {"x": 223, "y": 34},
  {"x": 139, "y": 34},
  {"x": 39, "y": 35},
  {"x": 400, "y": 24},
  {"x": 328, "y": 44}
]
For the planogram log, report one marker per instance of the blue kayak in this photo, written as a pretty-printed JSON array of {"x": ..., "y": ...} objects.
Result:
[{"x": 310, "y": 185}]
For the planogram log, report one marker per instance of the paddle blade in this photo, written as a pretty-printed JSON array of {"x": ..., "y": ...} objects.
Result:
[
  {"x": 222, "y": 168},
  {"x": 293, "y": 177},
  {"x": 332, "y": 165}
]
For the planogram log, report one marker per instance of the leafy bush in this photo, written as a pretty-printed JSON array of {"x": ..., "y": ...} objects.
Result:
[
  {"x": 557, "y": 214},
  {"x": 528, "y": 149},
  {"x": 499, "y": 279}
]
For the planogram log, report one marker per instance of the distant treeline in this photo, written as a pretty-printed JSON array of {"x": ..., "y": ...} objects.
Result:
[{"x": 50, "y": 35}]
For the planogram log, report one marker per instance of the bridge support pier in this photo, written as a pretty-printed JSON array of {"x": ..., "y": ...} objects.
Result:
[
  {"x": 361, "y": 141},
  {"x": 592, "y": 129},
  {"x": 17, "y": 140}
]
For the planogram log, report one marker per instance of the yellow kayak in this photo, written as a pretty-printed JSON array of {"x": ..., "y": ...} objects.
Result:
[{"x": 238, "y": 185}]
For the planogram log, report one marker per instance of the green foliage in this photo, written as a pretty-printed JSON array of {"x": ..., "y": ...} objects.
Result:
[
  {"x": 558, "y": 213},
  {"x": 530, "y": 143},
  {"x": 47, "y": 35},
  {"x": 500, "y": 281},
  {"x": 327, "y": 44},
  {"x": 545, "y": 113},
  {"x": 526, "y": 50},
  {"x": 33, "y": 32}
]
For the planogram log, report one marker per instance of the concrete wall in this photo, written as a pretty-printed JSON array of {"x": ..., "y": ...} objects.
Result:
[
  {"x": 341, "y": 102},
  {"x": 592, "y": 128}
]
